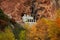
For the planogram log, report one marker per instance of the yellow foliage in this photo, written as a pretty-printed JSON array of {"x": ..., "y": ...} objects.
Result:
[
  {"x": 47, "y": 28},
  {"x": 44, "y": 29},
  {"x": 7, "y": 35},
  {"x": 26, "y": 26},
  {"x": 58, "y": 13},
  {"x": 57, "y": 21},
  {"x": 22, "y": 35}
]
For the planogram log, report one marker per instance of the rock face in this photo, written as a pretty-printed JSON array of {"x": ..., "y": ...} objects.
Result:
[
  {"x": 56, "y": 3},
  {"x": 45, "y": 8},
  {"x": 15, "y": 8}
]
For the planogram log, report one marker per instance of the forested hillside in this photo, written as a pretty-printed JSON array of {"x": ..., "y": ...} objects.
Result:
[{"x": 29, "y": 19}]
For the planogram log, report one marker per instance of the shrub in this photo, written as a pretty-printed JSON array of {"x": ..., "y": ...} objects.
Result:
[{"x": 7, "y": 35}]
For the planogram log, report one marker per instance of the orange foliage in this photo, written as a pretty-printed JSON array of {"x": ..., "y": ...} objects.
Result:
[
  {"x": 44, "y": 29},
  {"x": 58, "y": 22},
  {"x": 37, "y": 32}
]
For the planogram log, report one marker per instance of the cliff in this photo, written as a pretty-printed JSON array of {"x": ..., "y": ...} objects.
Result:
[{"x": 15, "y": 8}]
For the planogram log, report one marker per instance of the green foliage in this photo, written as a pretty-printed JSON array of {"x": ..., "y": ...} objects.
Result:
[
  {"x": 3, "y": 16},
  {"x": 22, "y": 35},
  {"x": 19, "y": 34},
  {"x": 11, "y": 33},
  {"x": 7, "y": 35},
  {"x": 17, "y": 30}
]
